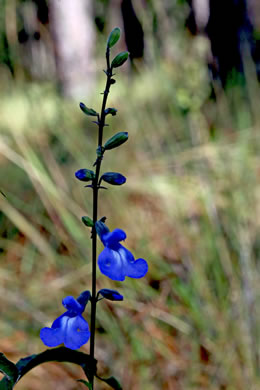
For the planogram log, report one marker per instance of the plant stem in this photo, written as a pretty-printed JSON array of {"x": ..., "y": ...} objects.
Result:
[{"x": 101, "y": 125}]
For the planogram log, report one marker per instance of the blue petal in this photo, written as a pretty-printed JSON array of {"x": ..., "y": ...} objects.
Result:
[
  {"x": 138, "y": 269},
  {"x": 83, "y": 298},
  {"x": 77, "y": 332},
  {"x": 132, "y": 268},
  {"x": 54, "y": 336},
  {"x": 51, "y": 337},
  {"x": 110, "y": 264},
  {"x": 70, "y": 303},
  {"x": 58, "y": 322},
  {"x": 112, "y": 239}
]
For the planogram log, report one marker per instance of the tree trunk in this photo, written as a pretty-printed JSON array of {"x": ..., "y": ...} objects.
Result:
[{"x": 71, "y": 23}]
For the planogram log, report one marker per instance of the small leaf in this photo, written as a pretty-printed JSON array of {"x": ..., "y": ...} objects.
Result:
[
  {"x": 111, "y": 295},
  {"x": 120, "y": 59},
  {"x": 89, "y": 385},
  {"x": 8, "y": 368},
  {"x": 113, "y": 37},
  {"x": 88, "y": 111},
  {"x": 85, "y": 175},
  {"x": 117, "y": 140},
  {"x": 5, "y": 384},
  {"x": 87, "y": 221},
  {"x": 112, "y": 382},
  {"x": 113, "y": 178},
  {"x": 111, "y": 111}
]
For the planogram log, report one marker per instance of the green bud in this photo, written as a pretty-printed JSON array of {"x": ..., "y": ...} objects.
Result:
[
  {"x": 120, "y": 59},
  {"x": 111, "y": 111},
  {"x": 117, "y": 140},
  {"x": 87, "y": 221},
  {"x": 113, "y": 37},
  {"x": 88, "y": 111}
]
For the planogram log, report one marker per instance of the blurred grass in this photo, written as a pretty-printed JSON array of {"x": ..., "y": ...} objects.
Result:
[{"x": 190, "y": 207}]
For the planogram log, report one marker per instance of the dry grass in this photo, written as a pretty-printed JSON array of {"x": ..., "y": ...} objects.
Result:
[{"x": 190, "y": 207}]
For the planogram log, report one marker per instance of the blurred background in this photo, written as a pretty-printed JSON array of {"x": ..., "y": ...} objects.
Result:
[{"x": 189, "y": 99}]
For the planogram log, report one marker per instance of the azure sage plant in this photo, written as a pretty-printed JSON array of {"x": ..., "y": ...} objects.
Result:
[{"x": 115, "y": 261}]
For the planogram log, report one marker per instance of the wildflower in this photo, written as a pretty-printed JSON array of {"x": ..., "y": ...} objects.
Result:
[
  {"x": 70, "y": 328},
  {"x": 115, "y": 261}
]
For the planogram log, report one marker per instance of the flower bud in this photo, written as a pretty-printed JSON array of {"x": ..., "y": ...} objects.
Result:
[
  {"x": 84, "y": 297},
  {"x": 88, "y": 111},
  {"x": 113, "y": 37},
  {"x": 85, "y": 175},
  {"x": 117, "y": 140},
  {"x": 87, "y": 221},
  {"x": 100, "y": 151},
  {"x": 111, "y": 295},
  {"x": 111, "y": 111},
  {"x": 120, "y": 59},
  {"x": 113, "y": 178},
  {"x": 101, "y": 229}
]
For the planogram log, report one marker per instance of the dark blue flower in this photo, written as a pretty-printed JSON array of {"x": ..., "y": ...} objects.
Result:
[
  {"x": 70, "y": 329},
  {"x": 117, "y": 262}
]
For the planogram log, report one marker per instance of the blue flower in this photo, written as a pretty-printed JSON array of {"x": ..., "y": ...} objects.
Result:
[
  {"x": 70, "y": 328},
  {"x": 117, "y": 262}
]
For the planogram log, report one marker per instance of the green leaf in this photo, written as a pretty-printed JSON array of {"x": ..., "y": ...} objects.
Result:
[
  {"x": 112, "y": 382},
  {"x": 87, "y": 221},
  {"x": 88, "y": 111},
  {"x": 113, "y": 37},
  {"x": 60, "y": 354},
  {"x": 120, "y": 59},
  {"x": 117, "y": 140},
  {"x": 5, "y": 384},
  {"x": 89, "y": 385},
  {"x": 9, "y": 369}
]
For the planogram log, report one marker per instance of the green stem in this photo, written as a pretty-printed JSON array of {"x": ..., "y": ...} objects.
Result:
[{"x": 95, "y": 214}]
